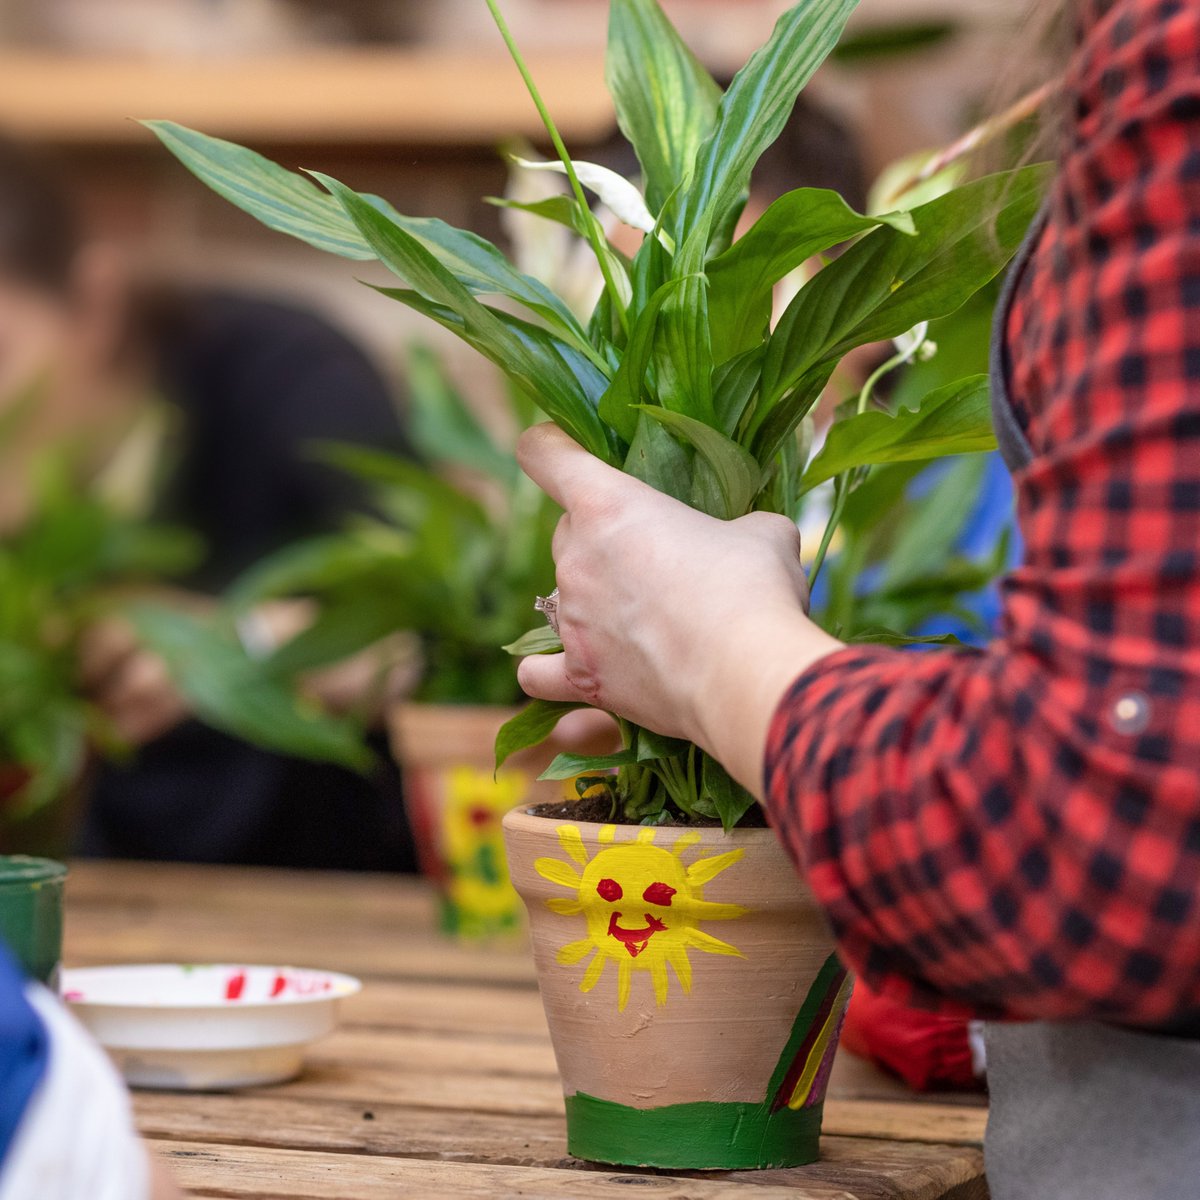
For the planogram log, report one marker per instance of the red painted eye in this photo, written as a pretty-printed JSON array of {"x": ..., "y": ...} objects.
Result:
[
  {"x": 659, "y": 893},
  {"x": 609, "y": 890}
]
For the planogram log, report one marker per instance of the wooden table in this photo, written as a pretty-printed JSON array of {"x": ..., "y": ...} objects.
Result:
[{"x": 440, "y": 1080}]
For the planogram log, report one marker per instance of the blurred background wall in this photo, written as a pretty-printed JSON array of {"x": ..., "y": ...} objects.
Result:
[{"x": 408, "y": 98}]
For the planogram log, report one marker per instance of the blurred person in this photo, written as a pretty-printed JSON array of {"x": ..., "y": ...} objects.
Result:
[
  {"x": 249, "y": 385},
  {"x": 66, "y": 1127}
]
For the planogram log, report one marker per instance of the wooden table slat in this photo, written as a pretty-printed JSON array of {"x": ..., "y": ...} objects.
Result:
[{"x": 888, "y": 1171}]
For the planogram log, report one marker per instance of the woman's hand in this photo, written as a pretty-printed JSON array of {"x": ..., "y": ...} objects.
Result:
[{"x": 687, "y": 625}]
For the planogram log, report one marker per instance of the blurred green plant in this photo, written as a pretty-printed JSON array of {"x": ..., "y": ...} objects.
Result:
[
  {"x": 72, "y": 561},
  {"x": 81, "y": 554},
  {"x": 679, "y": 376},
  {"x": 455, "y": 551}
]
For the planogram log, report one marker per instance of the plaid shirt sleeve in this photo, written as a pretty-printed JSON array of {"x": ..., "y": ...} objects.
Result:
[{"x": 1016, "y": 831}]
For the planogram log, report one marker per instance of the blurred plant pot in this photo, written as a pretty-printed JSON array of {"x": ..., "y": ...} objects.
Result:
[
  {"x": 455, "y": 807},
  {"x": 691, "y": 987},
  {"x": 50, "y": 831}
]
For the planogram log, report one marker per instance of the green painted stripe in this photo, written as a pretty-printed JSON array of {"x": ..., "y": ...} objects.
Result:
[
  {"x": 827, "y": 981},
  {"x": 706, "y": 1135}
]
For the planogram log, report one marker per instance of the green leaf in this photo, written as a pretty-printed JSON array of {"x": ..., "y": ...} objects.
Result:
[
  {"x": 564, "y": 384},
  {"x": 442, "y": 424},
  {"x": 736, "y": 473},
  {"x": 658, "y": 459},
  {"x": 530, "y": 727},
  {"x": 403, "y": 478},
  {"x": 926, "y": 538},
  {"x": 889, "y": 637},
  {"x": 730, "y": 800},
  {"x": 893, "y": 40},
  {"x": 735, "y": 383},
  {"x": 955, "y": 419},
  {"x": 280, "y": 199},
  {"x": 666, "y": 101},
  {"x": 542, "y": 640},
  {"x": 618, "y": 406},
  {"x": 755, "y": 109},
  {"x": 288, "y": 203},
  {"x": 797, "y": 226},
  {"x": 345, "y": 625},
  {"x": 683, "y": 357},
  {"x": 652, "y": 746},
  {"x": 567, "y": 766},
  {"x": 561, "y": 210},
  {"x": 231, "y": 692},
  {"x": 889, "y": 282},
  {"x": 312, "y": 565}
]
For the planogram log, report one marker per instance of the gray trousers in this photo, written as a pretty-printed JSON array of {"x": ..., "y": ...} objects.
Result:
[{"x": 1083, "y": 1111}]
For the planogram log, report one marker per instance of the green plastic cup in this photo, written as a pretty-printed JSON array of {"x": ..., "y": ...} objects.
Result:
[{"x": 31, "y": 914}]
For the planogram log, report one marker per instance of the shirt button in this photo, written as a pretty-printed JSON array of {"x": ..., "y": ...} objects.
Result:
[{"x": 1130, "y": 714}]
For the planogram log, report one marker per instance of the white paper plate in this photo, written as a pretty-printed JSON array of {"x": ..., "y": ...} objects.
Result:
[{"x": 207, "y": 1027}]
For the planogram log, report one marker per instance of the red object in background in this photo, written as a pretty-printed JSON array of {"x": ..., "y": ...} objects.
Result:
[
  {"x": 12, "y": 780},
  {"x": 929, "y": 1052}
]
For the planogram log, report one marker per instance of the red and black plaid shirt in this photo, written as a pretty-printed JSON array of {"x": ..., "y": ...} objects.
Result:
[{"x": 1018, "y": 829}]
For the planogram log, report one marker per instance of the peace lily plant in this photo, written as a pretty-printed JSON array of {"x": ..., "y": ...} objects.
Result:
[{"x": 680, "y": 375}]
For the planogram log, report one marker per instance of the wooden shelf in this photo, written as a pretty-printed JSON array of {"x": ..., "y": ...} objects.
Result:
[{"x": 417, "y": 96}]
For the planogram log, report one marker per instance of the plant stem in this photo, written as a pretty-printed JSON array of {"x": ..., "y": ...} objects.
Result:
[
  {"x": 897, "y": 360},
  {"x": 841, "y": 491},
  {"x": 595, "y": 233},
  {"x": 983, "y": 133},
  {"x": 844, "y": 483}
]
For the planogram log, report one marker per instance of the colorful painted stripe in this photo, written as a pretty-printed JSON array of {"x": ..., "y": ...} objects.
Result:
[{"x": 816, "y": 1029}]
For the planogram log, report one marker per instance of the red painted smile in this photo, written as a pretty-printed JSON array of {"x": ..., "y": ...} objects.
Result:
[{"x": 634, "y": 940}]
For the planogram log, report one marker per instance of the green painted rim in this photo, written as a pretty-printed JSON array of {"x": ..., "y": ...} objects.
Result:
[
  {"x": 19, "y": 870},
  {"x": 706, "y": 1135}
]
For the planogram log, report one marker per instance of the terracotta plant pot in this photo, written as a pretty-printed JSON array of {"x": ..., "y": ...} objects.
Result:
[
  {"x": 691, "y": 987},
  {"x": 455, "y": 808}
]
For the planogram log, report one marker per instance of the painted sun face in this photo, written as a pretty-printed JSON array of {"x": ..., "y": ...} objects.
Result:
[{"x": 642, "y": 905}]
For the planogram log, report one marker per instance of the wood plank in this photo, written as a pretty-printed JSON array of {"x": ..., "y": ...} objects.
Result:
[
  {"x": 267, "y": 1174},
  {"x": 951, "y": 1123},
  {"x": 285, "y": 1121},
  {"x": 449, "y": 1091},
  {"x": 423, "y": 1053},
  {"x": 220, "y": 888},
  {"x": 408, "y": 95},
  {"x": 279, "y": 1118},
  {"x": 95, "y": 936},
  {"x": 369, "y": 1086},
  {"x": 886, "y": 1170},
  {"x": 448, "y": 1008},
  {"x": 856, "y": 1078}
]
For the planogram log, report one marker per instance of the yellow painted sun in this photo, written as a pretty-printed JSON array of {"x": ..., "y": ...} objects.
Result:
[{"x": 643, "y": 907}]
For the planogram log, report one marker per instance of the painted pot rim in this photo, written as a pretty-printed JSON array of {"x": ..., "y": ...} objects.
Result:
[
  {"x": 441, "y": 735},
  {"x": 523, "y": 817}
]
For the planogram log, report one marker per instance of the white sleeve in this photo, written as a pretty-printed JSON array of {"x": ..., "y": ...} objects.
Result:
[{"x": 76, "y": 1140}]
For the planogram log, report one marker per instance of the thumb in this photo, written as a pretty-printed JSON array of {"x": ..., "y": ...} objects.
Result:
[
  {"x": 561, "y": 467},
  {"x": 544, "y": 677}
]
